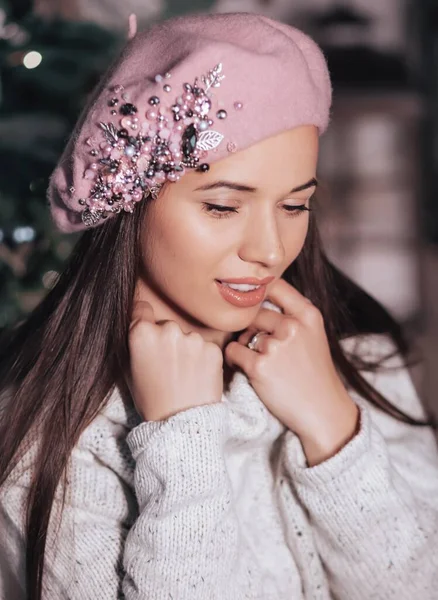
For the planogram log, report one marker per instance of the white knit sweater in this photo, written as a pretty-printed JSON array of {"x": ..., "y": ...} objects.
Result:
[{"x": 217, "y": 503}]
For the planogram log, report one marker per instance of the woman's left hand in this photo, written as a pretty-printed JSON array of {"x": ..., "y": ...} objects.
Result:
[{"x": 293, "y": 373}]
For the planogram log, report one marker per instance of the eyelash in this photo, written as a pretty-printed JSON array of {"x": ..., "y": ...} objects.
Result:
[{"x": 223, "y": 212}]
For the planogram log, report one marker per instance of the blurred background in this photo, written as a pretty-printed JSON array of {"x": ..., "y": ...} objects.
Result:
[{"x": 379, "y": 159}]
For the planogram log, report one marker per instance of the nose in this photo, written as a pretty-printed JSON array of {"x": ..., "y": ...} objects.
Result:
[{"x": 262, "y": 242}]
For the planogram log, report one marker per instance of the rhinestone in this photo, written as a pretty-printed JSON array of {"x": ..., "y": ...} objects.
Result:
[
  {"x": 94, "y": 153},
  {"x": 113, "y": 112},
  {"x": 204, "y": 167},
  {"x": 167, "y": 88},
  {"x": 187, "y": 87},
  {"x": 231, "y": 147},
  {"x": 71, "y": 190},
  {"x": 221, "y": 114},
  {"x": 118, "y": 88},
  {"x": 82, "y": 202},
  {"x": 154, "y": 100},
  {"x": 168, "y": 76},
  {"x": 189, "y": 139},
  {"x": 238, "y": 105},
  {"x": 128, "y": 109}
]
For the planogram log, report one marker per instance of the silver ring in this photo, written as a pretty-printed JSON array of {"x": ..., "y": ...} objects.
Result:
[{"x": 252, "y": 344}]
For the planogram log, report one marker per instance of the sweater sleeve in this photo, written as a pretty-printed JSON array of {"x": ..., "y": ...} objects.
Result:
[
  {"x": 178, "y": 539},
  {"x": 185, "y": 542},
  {"x": 373, "y": 505}
]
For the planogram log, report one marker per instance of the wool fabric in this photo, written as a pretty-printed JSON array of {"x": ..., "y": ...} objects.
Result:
[
  {"x": 260, "y": 77},
  {"x": 217, "y": 503}
]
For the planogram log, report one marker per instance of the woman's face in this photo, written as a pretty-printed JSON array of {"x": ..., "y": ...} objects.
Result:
[{"x": 188, "y": 245}]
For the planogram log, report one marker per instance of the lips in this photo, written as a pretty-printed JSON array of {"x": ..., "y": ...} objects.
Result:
[{"x": 242, "y": 299}]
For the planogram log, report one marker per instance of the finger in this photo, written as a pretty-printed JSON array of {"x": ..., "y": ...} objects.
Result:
[
  {"x": 288, "y": 298},
  {"x": 142, "y": 311},
  {"x": 266, "y": 320},
  {"x": 240, "y": 356}
]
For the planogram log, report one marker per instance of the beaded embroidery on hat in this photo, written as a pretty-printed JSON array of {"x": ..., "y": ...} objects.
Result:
[{"x": 141, "y": 153}]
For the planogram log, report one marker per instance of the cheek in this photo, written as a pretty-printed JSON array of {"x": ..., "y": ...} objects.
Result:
[
  {"x": 294, "y": 238},
  {"x": 179, "y": 246}
]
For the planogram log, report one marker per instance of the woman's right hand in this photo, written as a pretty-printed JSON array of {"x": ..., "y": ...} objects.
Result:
[{"x": 170, "y": 371}]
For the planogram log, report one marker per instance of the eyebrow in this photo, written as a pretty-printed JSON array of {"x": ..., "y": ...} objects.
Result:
[{"x": 238, "y": 187}]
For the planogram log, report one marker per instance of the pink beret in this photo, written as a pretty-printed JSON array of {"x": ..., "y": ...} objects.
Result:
[{"x": 183, "y": 94}]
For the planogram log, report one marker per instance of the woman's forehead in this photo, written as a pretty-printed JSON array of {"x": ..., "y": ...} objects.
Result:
[{"x": 287, "y": 159}]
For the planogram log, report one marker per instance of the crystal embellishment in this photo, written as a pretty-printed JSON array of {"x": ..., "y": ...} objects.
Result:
[{"x": 142, "y": 148}]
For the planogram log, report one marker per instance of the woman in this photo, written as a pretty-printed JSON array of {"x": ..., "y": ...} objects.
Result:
[{"x": 203, "y": 406}]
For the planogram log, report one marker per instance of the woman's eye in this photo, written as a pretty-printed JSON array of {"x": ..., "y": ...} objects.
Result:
[
  {"x": 221, "y": 211},
  {"x": 218, "y": 210},
  {"x": 295, "y": 210}
]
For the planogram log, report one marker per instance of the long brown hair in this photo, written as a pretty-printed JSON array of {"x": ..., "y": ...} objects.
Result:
[{"x": 59, "y": 365}]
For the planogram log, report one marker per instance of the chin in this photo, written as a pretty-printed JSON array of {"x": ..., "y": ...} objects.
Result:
[{"x": 237, "y": 319}]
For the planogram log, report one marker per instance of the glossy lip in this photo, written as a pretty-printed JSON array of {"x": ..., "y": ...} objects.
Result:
[
  {"x": 242, "y": 299},
  {"x": 248, "y": 280}
]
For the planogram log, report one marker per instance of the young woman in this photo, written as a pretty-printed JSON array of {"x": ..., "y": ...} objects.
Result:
[{"x": 203, "y": 406}]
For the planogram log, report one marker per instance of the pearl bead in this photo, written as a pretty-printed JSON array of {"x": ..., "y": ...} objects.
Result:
[
  {"x": 203, "y": 125},
  {"x": 158, "y": 78},
  {"x": 126, "y": 122},
  {"x": 172, "y": 177},
  {"x": 89, "y": 174},
  {"x": 129, "y": 150},
  {"x": 167, "y": 88},
  {"x": 151, "y": 114},
  {"x": 164, "y": 133},
  {"x": 221, "y": 114},
  {"x": 238, "y": 105},
  {"x": 160, "y": 177},
  {"x": 94, "y": 166}
]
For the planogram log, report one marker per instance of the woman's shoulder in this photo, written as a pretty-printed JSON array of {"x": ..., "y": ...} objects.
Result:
[
  {"x": 388, "y": 373},
  {"x": 374, "y": 347}
]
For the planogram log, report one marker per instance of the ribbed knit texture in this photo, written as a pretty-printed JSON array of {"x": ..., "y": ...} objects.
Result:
[{"x": 217, "y": 502}]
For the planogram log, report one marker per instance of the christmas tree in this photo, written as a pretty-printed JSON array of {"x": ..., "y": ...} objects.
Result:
[{"x": 48, "y": 69}]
